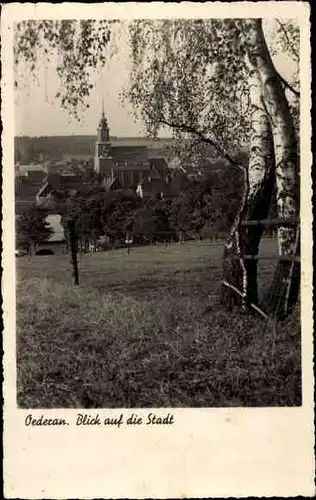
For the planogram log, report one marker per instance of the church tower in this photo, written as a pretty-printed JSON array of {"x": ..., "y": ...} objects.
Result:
[{"x": 102, "y": 145}]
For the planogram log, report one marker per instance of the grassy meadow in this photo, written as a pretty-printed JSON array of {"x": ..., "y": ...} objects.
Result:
[{"x": 145, "y": 329}]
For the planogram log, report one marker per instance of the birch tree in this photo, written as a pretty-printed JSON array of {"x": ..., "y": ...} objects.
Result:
[
  {"x": 213, "y": 81},
  {"x": 286, "y": 163},
  {"x": 76, "y": 50}
]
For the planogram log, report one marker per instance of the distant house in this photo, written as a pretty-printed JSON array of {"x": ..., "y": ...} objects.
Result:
[
  {"x": 129, "y": 174},
  {"x": 22, "y": 206},
  {"x": 125, "y": 159},
  {"x": 36, "y": 176},
  {"x": 56, "y": 183},
  {"x": 136, "y": 154},
  {"x": 160, "y": 166},
  {"x": 25, "y": 189},
  {"x": 149, "y": 188},
  {"x": 25, "y": 193},
  {"x": 25, "y": 168},
  {"x": 56, "y": 167},
  {"x": 168, "y": 187},
  {"x": 77, "y": 157}
]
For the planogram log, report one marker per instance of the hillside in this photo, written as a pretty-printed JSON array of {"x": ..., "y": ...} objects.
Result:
[
  {"x": 145, "y": 329},
  {"x": 56, "y": 147}
]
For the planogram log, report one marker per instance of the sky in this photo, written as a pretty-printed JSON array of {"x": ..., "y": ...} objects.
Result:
[{"x": 37, "y": 114}]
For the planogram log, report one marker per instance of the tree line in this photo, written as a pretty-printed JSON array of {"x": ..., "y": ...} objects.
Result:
[
  {"x": 205, "y": 208},
  {"x": 213, "y": 81},
  {"x": 28, "y": 149}
]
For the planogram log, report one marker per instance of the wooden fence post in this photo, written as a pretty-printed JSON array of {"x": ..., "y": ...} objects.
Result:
[
  {"x": 284, "y": 289},
  {"x": 73, "y": 250}
]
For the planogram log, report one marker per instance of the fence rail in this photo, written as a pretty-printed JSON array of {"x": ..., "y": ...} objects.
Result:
[
  {"x": 291, "y": 258},
  {"x": 291, "y": 221},
  {"x": 77, "y": 237}
]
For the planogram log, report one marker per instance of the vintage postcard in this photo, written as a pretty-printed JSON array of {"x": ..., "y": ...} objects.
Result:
[{"x": 157, "y": 250}]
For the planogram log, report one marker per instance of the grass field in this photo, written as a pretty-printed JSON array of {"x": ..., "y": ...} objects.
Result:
[{"x": 146, "y": 330}]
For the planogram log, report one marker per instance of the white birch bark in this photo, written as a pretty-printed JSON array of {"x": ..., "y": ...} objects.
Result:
[
  {"x": 261, "y": 157},
  {"x": 241, "y": 274},
  {"x": 282, "y": 126},
  {"x": 260, "y": 180},
  {"x": 284, "y": 289}
]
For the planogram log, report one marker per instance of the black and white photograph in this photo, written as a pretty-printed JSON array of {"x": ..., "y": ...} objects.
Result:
[
  {"x": 158, "y": 199},
  {"x": 158, "y": 254}
]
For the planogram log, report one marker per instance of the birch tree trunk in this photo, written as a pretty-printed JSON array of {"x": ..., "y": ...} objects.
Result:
[
  {"x": 285, "y": 286},
  {"x": 259, "y": 178}
]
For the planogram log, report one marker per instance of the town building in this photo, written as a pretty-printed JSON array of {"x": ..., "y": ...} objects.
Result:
[
  {"x": 127, "y": 163},
  {"x": 55, "y": 184},
  {"x": 138, "y": 164},
  {"x": 29, "y": 169}
]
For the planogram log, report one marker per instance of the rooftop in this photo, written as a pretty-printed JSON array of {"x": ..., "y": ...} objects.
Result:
[
  {"x": 34, "y": 167},
  {"x": 58, "y": 181}
]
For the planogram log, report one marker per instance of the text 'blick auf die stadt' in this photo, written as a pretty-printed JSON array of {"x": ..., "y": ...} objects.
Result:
[{"x": 85, "y": 419}]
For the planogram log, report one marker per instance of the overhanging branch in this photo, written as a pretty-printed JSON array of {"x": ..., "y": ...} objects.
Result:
[
  {"x": 290, "y": 44},
  {"x": 203, "y": 138},
  {"x": 288, "y": 86},
  {"x": 283, "y": 81}
]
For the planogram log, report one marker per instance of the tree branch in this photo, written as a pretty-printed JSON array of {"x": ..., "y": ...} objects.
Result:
[
  {"x": 288, "y": 86},
  {"x": 285, "y": 83},
  {"x": 203, "y": 138},
  {"x": 290, "y": 44}
]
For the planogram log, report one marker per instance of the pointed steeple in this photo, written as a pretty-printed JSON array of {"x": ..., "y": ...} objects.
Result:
[
  {"x": 103, "y": 133},
  {"x": 103, "y": 124}
]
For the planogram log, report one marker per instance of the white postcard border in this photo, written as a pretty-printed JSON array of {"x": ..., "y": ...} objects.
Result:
[{"x": 207, "y": 452}]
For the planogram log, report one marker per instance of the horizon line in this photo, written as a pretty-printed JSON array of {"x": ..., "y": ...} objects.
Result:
[{"x": 93, "y": 135}]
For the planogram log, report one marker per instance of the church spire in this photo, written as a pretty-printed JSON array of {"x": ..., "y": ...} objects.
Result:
[
  {"x": 103, "y": 121},
  {"x": 102, "y": 145},
  {"x": 103, "y": 128}
]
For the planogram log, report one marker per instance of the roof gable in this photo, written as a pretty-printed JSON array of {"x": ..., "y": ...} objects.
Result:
[
  {"x": 64, "y": 182},
  {"x": 129, "y": 153}
]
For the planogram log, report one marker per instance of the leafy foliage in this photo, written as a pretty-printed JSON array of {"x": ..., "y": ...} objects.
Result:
[
  {"x": 75, "y": 47},
  {"x": 151, "y": 223},
  {"x": 206, "y": 204},
  {"x": 209, "y": 204},
  {"x": 193, "y": 75},
  {"x": 186, "y": 73},
  {"x": 98, "y": 212},
  {"x": 32, "y": 227}
]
